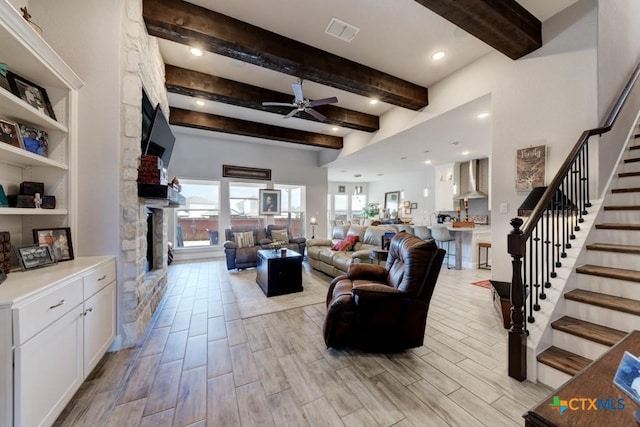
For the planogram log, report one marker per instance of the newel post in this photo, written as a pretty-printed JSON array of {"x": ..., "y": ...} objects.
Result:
[{"x": 517, "y": 335}]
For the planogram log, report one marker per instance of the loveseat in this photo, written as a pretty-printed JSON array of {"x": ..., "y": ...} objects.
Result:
[
  {"x": 242, "y": 243},
  {"x": 334, "y": 262}
]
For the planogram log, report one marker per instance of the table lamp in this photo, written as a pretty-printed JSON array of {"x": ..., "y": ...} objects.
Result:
[{"x": 313, "y": 222}]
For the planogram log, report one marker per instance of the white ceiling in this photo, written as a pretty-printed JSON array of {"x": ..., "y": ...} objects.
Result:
[{"x": 397, "y": 37}]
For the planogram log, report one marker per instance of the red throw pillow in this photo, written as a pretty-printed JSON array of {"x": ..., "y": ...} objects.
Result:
[{"x": 346, "y": 244}]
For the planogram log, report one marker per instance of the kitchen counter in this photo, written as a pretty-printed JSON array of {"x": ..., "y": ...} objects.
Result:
[{"x": 466, "y": 243}]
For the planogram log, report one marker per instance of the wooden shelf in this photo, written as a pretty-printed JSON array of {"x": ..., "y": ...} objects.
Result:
[
  {"x": 18, "y": 110},
  {"x": 32, "y": 211},
  {"x": 23, "y": 158}
]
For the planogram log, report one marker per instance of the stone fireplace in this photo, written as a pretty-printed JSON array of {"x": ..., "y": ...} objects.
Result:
[{"x": 142, "y": 288}]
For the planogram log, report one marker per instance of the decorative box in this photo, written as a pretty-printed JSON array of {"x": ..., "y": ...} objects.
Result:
[
  {"x": 21, "y": 201},
  {"x": 48, "y": 202},
  {"x": 29, "y": 188}
]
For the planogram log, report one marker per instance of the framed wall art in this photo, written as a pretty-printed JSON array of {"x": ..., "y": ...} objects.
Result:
[
  {"x": 31, "y": 93},
  {"x": 229, "y": 171},
  {"x": 10, "y": 133},
  {"x": 269, "y": 202},
  {"x": 530, "y": 167},
  {"x": 59, "y": 239}
]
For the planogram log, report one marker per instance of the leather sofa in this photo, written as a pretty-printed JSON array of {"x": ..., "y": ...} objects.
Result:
[
  {"x": 378, "y": 308},
  {"x": 321, "y": 257},
  {"x": 247, "y": 257}
]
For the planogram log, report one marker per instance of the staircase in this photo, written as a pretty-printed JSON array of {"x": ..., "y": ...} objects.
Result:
[{"x": 604, "y": 302}]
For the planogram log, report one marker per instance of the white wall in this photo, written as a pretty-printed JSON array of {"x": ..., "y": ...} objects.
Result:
[
  {"x": 91, "y": 47},
  {"x": 201, "y": 154}
]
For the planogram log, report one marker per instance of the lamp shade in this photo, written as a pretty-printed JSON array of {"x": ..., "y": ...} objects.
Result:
[
  {"x": 560, "y": 201},
  {"x": 313, "y": 221}
]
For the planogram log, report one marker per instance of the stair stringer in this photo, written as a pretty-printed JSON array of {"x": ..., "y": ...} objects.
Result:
[{"x": 554, "y": 306}]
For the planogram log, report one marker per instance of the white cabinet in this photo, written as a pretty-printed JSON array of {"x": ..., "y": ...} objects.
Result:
[
  {"x": 56, "y": 323},
  {"x": 445, "y": 184},
  {"x": 27, "y": 55}
]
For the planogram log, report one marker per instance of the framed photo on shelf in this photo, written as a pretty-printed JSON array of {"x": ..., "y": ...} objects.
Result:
[
  {"x": 35, "y": 140},
  {"x": 10, "y": 133},
  {"x": 35, "y": 256},
  {"x": 269, "y": 202},
  {"x": 58, "y": 239},
  {"x": 31, "y": 93}
]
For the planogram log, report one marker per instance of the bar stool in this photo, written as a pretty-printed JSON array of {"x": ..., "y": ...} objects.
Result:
[
  {"x": 484, "y": 265},
  {"x": 441, "y": 235}
]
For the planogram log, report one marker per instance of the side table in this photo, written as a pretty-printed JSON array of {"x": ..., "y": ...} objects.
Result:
[{"x": 378, "y": 255}]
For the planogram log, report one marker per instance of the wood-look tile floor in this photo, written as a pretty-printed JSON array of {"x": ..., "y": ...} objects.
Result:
[{"x": 200, "y": 364}]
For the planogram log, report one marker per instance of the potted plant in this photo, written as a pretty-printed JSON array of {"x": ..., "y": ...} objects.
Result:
[{"x": 370, "y": 210}]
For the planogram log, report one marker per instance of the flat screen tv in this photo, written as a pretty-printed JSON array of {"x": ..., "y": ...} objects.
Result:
[{"x": 159, "y": 139}]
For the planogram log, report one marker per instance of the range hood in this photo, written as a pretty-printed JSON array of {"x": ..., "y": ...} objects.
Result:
[{"x": 473, "y": 192}]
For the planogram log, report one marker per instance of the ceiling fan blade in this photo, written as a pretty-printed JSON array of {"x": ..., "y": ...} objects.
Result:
[
  {"x": 278, "y": 104},
  {"x": 291, "y": 114},
  {"x": 297, "y": 91},
  {"x": 323, "y": 101},
  {"x": 315, "y": 114}
]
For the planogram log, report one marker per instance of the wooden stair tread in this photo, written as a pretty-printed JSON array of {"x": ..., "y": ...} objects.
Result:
[
  {"x": 607, "y": 247},
  {"x": 610, "y": 272},
  {"x": 625, "y": 305},
  {"x": 617, "y": 226},
  {"x": 628, "y": 174},
  {"x": 632, "y": 160},
  {"x": 625, "y": 190},
  {"x": 622, "y": 208},
  {"x": 562, "y": 360},
  {"x": 588, "y": 330}
]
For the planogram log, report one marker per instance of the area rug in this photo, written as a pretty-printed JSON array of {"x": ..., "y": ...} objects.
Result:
[
  {"x": 252, "y": 301},
  {"x": 482, "y": 283}
]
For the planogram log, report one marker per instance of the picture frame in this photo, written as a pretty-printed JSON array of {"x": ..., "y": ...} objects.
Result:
[
  {"x": 414, "y": 205},
  {"x": 386, "y": 239},
  {"x": 35, "y": 140},
  {"x": 407, "y": 204},
  {"x": 31, "y": 93},
  {"x": 229, "y": 171},
  {"x": 34, "y": 256},
  {"x": 392, "y": 201},
  {"x": 627, "y": 376},
  {"x": 59, "y": 239},
  {"x": 10, "y": 133},
  {"x": 269, "y": 202},
  {"x": 407, "y": 211},
  {"x": 530, "y": 167},
  {"x": 341, "y": 189}
]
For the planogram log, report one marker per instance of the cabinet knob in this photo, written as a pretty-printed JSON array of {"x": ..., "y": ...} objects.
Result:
[
  {"x": 102, "y": 278},
  {"x": 87, "y": 311},
  {"x": 56, "y": 305}
]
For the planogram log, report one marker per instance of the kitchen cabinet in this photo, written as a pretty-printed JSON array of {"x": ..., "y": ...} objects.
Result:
[
  {"x": 56, "y": 323},
  {"x": 444, "y": 188}
]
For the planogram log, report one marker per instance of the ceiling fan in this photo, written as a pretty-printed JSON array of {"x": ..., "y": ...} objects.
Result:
[{"x": 300, "y": 103}]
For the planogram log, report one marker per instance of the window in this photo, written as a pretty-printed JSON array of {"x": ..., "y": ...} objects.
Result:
[
  {"x": 358, "y": 203},
  {"x": 243, "y": 204},
  {"x": 292, "y": 208},
  {"x": 197, "y": 221},
  {"x": 341, "y": 207}
]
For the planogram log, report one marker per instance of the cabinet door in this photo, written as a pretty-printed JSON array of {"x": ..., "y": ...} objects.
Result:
[
  {"x": 99, "y": 325},
  {"x": 48, "y": 371}
]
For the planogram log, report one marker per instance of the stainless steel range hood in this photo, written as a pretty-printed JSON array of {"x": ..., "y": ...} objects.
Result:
[{"x": 473, "y": 192}]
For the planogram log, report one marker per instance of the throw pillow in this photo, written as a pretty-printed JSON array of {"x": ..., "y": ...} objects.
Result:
[
  {"x": 244, "y": 239},
  {"x": 346, "y": 244},
  {"x": 280, "y": 236}
]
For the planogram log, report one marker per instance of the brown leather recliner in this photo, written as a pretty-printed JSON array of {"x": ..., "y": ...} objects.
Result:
[{"x": 378, "y": 308}]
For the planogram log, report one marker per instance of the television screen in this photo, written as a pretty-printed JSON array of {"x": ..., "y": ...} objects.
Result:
[{"x": 160, "y": 139}]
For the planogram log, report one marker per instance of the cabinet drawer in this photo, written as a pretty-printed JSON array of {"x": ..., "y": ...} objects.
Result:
[
  {"x": 99, "y": 278},
  {"x": 35, "y": 315}
]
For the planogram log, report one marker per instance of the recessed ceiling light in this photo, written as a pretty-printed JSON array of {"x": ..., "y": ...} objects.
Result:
[
  {"x": 195, "y": 51},
  {"x": 358, "y": 175},
  {"x": 438, "y": 55},
  {"x": 465, "y": 153},
  {"x": 373, "y": 101},
  {"x": 403, "y": 158},
  {"x": 200, "y": 102},
  {"x": 482, "y": 115},
  {"x": 380, "y": 174},
  {"x": 335, "y": 129},
  {"x": 427, "y": 162}
]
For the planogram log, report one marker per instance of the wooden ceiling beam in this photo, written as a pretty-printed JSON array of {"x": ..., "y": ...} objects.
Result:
[
  {"x": 504, "y": 25},
  {"x": 205, "y": 86},
  {"x": 213, "y": 122},
  {"x": 192, "y": 25}
]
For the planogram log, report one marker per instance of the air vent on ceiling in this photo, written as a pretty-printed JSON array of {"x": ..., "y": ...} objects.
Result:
[{"x": 341, "y": 30}]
